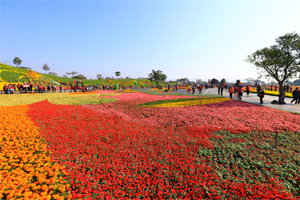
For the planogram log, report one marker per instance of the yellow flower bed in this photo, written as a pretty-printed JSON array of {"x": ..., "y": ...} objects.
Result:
[
  {"x": 56, "y": 98},
  {"x": 287, "y": 94},
  {"x": 190, "y": 103},
  {"x": 26, "y": 168}
]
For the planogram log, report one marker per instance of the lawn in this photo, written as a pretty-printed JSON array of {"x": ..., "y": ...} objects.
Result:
[{"x": 106, "y": 145}]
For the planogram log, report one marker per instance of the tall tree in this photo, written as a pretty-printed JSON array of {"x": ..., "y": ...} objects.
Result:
[
  {"x": 214, "y": 81},
  {"x": 280, "y": 61},
  {"x": 99, "y": 76},
  {"x": 118, "y": 73},
  {"x": 223, "y": 81},
  {"x": 46, "y": 68},
  {"x": 157, "y": 76},
  {"x": 17, "y": 61}
]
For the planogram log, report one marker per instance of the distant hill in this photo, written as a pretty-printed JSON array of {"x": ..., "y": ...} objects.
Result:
[{"x": 15, "y": 75}]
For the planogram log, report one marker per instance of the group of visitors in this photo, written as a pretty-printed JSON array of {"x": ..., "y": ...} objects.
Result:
[
  {"x": 174, "y": 87},
  {"x": 9, "y": 89},
  {"x": 237, "y": 91},
  {"x": 83, "y": 88},
  {"x": 12, "y": 88},
  {"x": 198, "y": 87},
  {"x": 287, "y": 88},
  {"x": 47, "y": 89}
]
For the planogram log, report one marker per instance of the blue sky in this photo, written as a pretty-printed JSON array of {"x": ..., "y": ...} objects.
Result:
[{"x": 193, "y": 39}]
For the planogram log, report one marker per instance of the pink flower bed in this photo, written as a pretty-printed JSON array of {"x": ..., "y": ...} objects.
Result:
[{"x": 231, "y": 115}]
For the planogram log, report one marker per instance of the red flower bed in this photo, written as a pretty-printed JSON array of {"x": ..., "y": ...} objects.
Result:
[{"x": 107, "y": 156}]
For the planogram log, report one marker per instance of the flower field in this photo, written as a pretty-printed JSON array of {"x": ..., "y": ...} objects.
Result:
[
  {"x": 134, "y": 145},
  {"x": 57, "y": 98}
]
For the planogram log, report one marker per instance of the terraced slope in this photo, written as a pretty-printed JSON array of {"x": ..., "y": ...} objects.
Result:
[{"x": 15, "y": 75}]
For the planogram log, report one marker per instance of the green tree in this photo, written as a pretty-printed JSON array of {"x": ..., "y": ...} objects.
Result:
[
  {"x": 17, "y": 61},
  {"x": 99, "y": 76},
  {"x": 280, "y": 61},
  {"x": 80, "y": 76},
  {"x": 52, "y": 73},
  {"x": 223, "y": 81},
  {"x": 157, "y": 77},
  {"x": 183, "y": 80},
  {"x": 46, "y": 68},
  {"x": 118, "y": 73},
  {"x": 214, "y": 81}
]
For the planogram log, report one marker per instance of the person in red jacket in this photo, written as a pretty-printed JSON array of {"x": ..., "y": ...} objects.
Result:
[
  {"x": 231, "y": 90},
  {"x": 240, "y": 91}
]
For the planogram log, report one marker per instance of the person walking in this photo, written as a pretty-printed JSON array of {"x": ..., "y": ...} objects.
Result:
[
  {"x": 240, "y": 92},
  {"x": 247, "y": 90},
  {"x": 295, "y": 96},
  {"x": 231, "y": 90},
  {"x": 193, "y": 88},
  {"x": 261, "y": 96},
  {"x": 200, "y": 89},
  {"x": 258, "y": 89},
  {"x": 235, "y": 91},
  {"x": 221, "y": 89}
]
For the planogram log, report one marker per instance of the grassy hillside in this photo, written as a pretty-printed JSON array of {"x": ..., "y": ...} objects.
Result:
[{"x": 15, "y": 75}]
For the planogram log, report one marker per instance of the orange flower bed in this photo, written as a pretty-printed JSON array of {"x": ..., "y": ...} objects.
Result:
[{"x": 26, "y": 168}]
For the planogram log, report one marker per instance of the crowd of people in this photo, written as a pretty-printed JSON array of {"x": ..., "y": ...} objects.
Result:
[
  {"x": 234, "y": 90},
  {"x": 239, "y": 90},
  {"x": 12, "y": 88}
]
